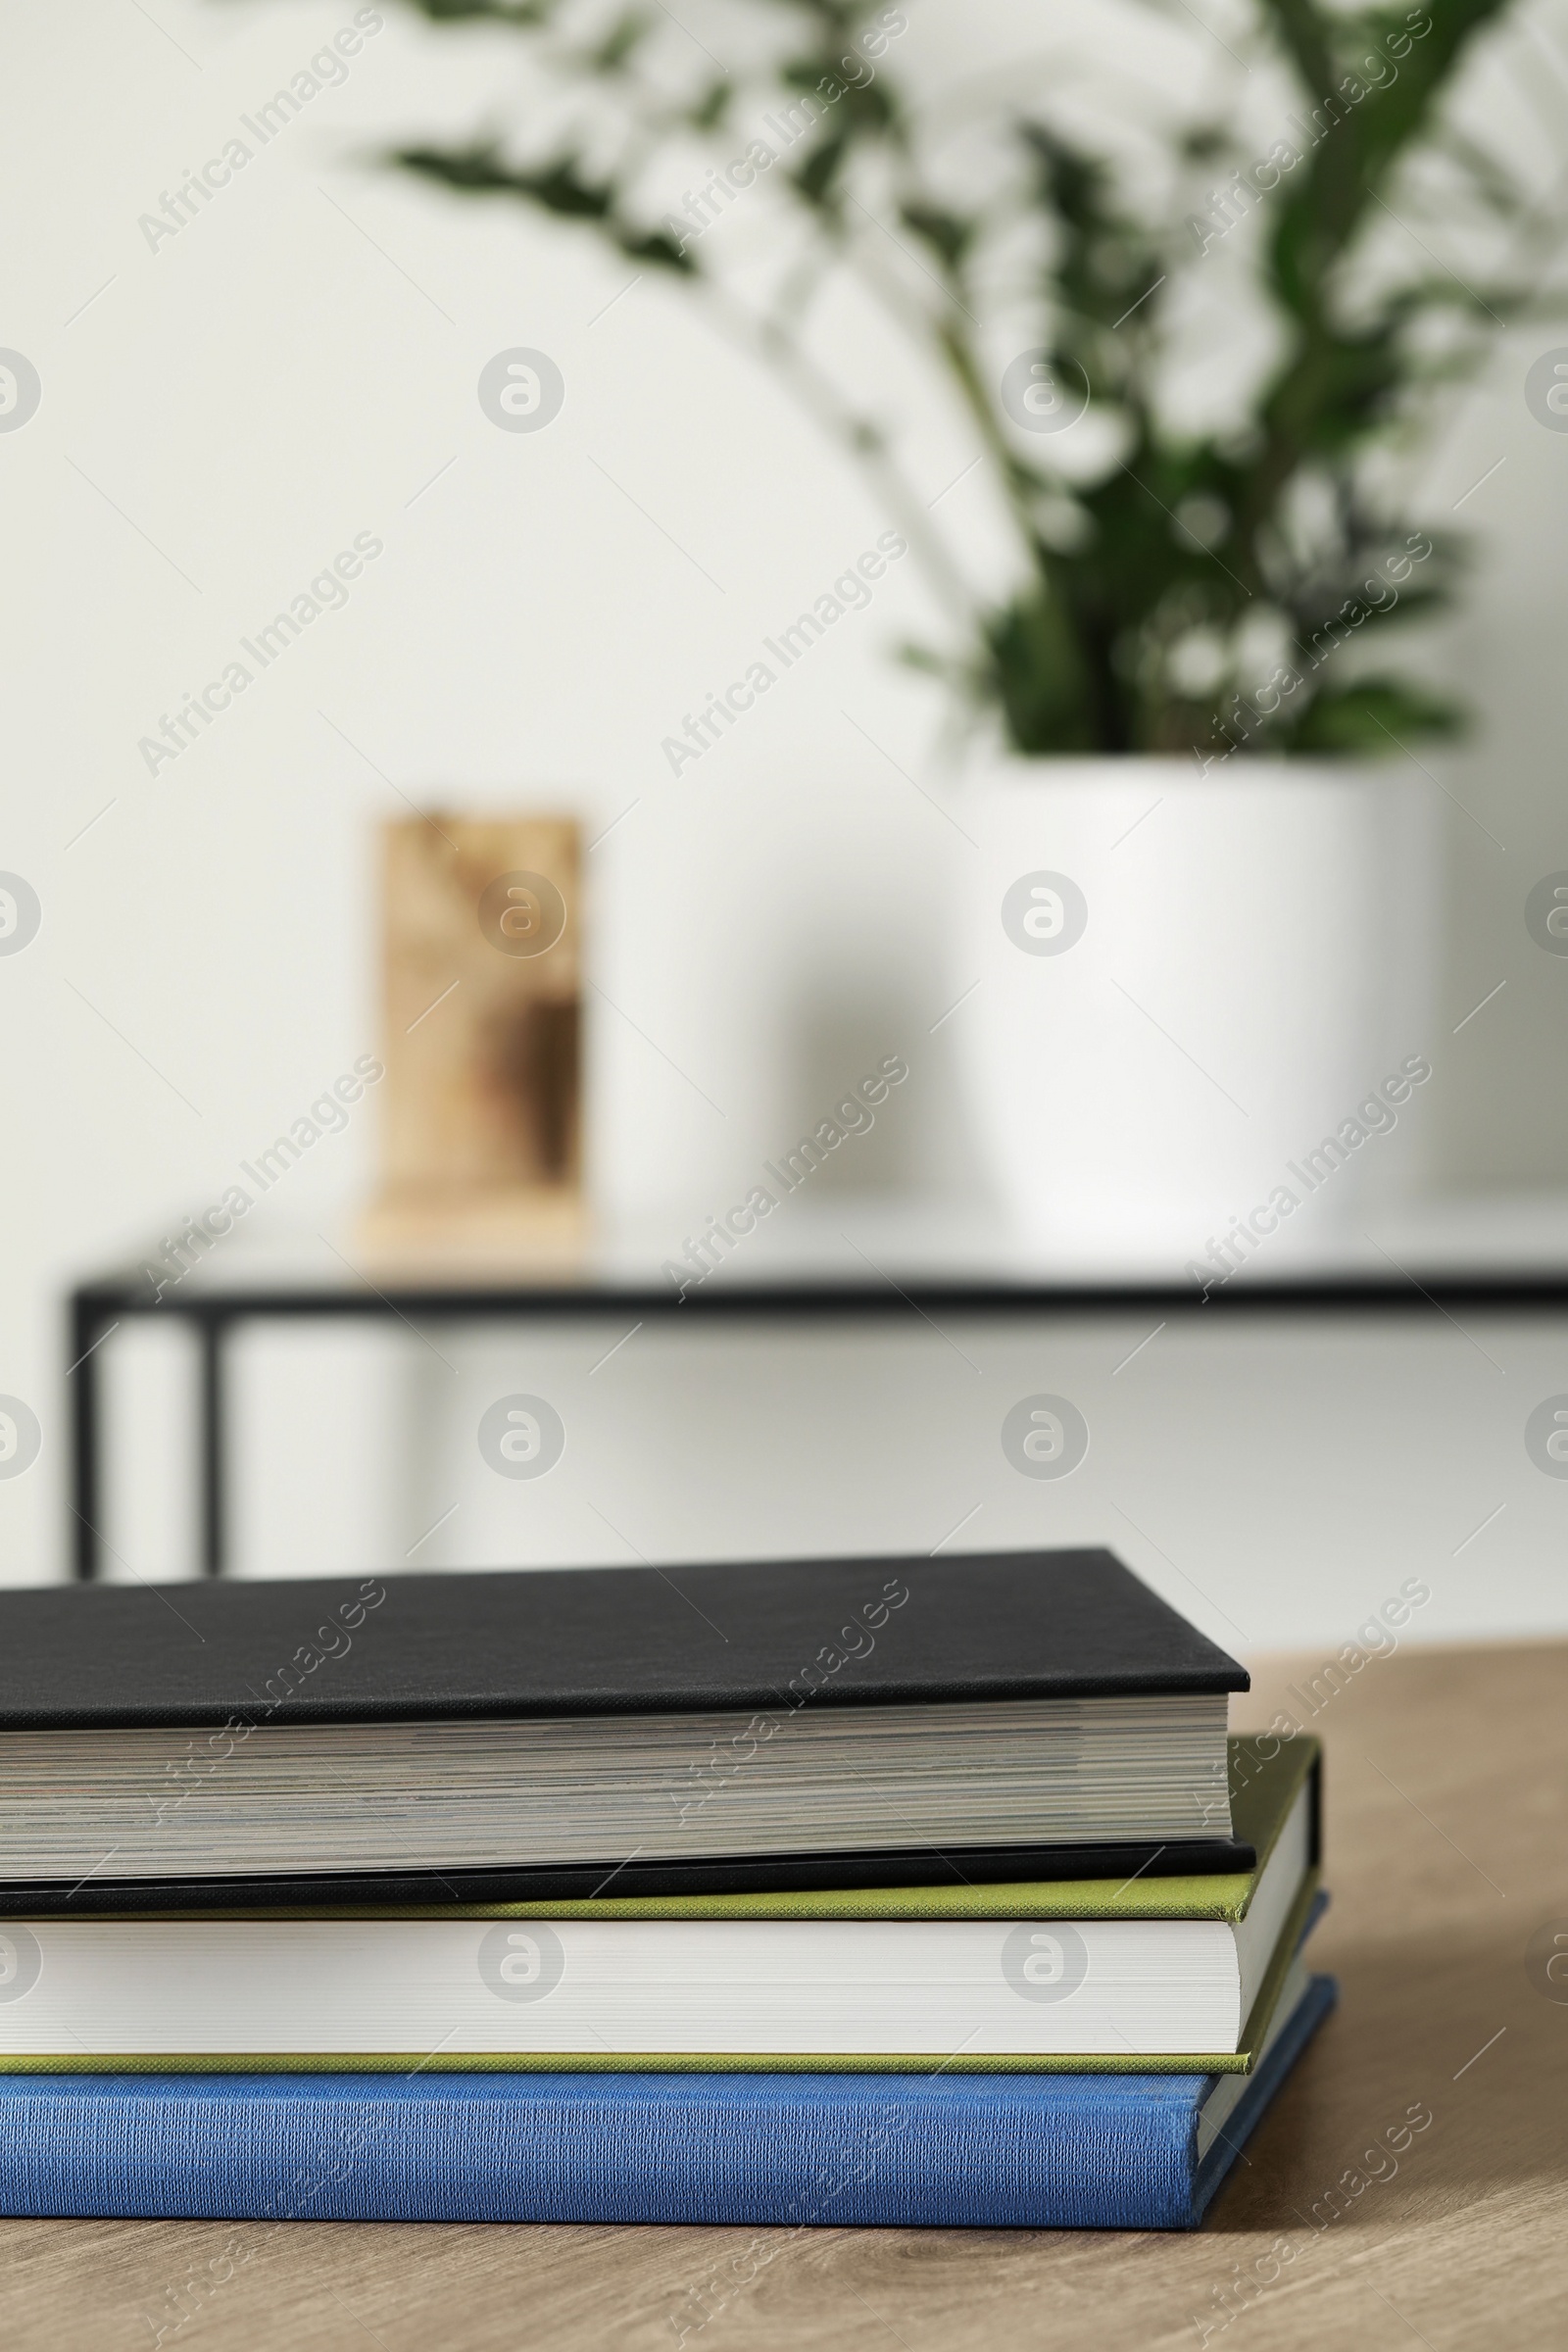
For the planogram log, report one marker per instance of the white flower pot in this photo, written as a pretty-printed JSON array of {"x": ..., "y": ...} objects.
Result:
[{"x": 1186, "y": 985}]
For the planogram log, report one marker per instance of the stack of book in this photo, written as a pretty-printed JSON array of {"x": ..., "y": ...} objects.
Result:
[{"x": 827, "y": 1892}]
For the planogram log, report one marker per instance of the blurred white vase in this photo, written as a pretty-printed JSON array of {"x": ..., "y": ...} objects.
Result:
[{"x": 1185, "y": 983}]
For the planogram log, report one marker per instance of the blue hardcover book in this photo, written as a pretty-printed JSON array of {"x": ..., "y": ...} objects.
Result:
[{"x": 782, "y": 2150}]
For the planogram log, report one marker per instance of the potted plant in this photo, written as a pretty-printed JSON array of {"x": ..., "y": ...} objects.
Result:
[{"x": 1192, "y": 769}]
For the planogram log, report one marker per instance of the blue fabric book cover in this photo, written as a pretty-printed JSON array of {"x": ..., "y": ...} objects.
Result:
[{"x": 946, "y": 2150}]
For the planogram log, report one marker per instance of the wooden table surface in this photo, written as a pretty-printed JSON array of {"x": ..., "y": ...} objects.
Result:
[{"x": 1447, "y": 1848}]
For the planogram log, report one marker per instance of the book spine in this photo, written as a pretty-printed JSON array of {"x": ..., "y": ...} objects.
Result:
[{"x": 987, "y": 2152}]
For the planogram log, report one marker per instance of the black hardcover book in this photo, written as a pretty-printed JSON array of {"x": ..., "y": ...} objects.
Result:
[{"x": 532, "y": 1734}]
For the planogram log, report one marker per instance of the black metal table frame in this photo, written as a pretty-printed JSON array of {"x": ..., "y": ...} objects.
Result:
[{"x": 98, "y": 1309}]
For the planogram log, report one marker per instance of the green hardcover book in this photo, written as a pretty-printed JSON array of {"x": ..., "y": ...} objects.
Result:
[{"x": 1174, "y": 1974}]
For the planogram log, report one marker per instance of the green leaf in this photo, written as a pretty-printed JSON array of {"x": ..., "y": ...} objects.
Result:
[
  {"x": 560, "y": 187},
  {"x": 1376, "y": 716}
]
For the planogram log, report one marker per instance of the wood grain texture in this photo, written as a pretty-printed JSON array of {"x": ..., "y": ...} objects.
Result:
[
  {"x": 481, "y": 985},
  {"x": 1448, "y": 1795}
]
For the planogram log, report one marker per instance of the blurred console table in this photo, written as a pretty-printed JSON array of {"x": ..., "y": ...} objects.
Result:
[
  {"x": 1447, "y": 1788},
  {"x": 1489, "y": 1260}
]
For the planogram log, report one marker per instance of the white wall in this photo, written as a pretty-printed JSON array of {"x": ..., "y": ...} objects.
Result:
[
  {"x": 223, "y": 415},
  {"x": 1276, "y": 1478}
]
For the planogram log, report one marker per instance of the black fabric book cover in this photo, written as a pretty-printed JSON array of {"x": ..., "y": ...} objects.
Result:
[
  {"x": 103, "y": 1895},
  {"x": 853, "y": 1633}
]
